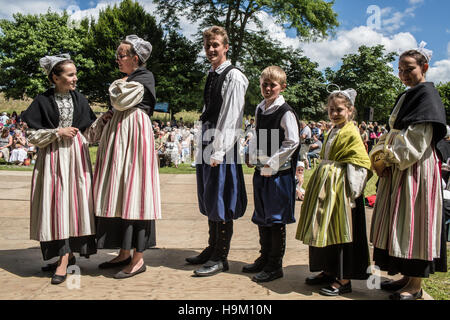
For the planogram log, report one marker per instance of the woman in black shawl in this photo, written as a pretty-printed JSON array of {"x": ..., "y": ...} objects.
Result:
[
  {"x": 407, "y": 223},
  {"x": 126, "y": 180},
  {"x": 62, "y": 216}
]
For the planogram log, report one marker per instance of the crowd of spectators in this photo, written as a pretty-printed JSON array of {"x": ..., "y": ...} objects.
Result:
[
  {"x": 175, "y": 142},
  {"x": 14, "y": 146}
]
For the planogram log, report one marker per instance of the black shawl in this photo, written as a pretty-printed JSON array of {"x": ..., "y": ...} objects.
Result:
[
  {"x": 43, "y": 113},
  {"x": 145, "y": 77},
  {"x": 422, "y": 104}
]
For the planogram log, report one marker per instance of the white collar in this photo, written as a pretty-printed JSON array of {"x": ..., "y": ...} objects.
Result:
[
  {"x": 222, "y": 67},
  {"x": 277, "y": 103}
]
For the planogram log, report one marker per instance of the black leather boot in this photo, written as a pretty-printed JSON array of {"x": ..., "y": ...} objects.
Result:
[
  {"x": 218, "y": 261},
  {"x": 204, "y": 256},
  {"x": 274, "y": 267},
  {"x": 264, "y": 241}
]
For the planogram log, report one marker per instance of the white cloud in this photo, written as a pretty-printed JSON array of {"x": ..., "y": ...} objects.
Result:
[
  {"x": 7, "y": 8},
  {"x": 93, "y": 12},
  {"x": 439, "y": 72},
  {"x": 416, "y": 2}
]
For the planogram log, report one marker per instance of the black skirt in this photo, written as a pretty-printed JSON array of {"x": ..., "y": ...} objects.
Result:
[
  {"x": 85, "y": 246},
  {"x": 349, "y": 260},
  {"x": 117, "y": 233},
  {"x": 413, "y": 267}
]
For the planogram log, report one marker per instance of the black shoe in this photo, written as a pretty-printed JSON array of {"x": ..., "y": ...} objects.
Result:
[
  {"x": 332, "y": 292},
  {"x": 321, "y": 278},
  {"x": 58, "y": 279},
  {"x": 266, "y": 276},
  {"x": 124, "y": 275},
  {"x": 202, "y": 258},
  {"x": 52, "y": 266},
  {"x": 257, "y": 266},
  {"x": 415, "y": 296},
  {"x": 211, "y": 268},
  {"x": 390, "y": 285},
  {"x": 110, "y": 265}
]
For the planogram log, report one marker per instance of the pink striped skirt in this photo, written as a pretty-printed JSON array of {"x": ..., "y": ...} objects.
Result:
[
  {"x": 126, "y": 178},
  {"x": 61, "y": 191}
]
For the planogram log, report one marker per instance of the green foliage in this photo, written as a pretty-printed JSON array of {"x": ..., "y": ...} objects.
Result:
[
  {"x": 189, "y": 117},
  {"x": 27, "y": 38},
  {"x": 182, "y": 77},
  {"x": 305, "y": 92},
  {"x": 310, "y": 18},
  {"x": 369, "y": 73},
  {"x": 113, "y": 25},
  {"x": 444, "y": 92}
]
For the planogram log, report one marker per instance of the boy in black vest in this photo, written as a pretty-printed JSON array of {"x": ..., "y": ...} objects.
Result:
[
  {"x": 274, "y": 152},
  {"x": 220, "y": 179}
]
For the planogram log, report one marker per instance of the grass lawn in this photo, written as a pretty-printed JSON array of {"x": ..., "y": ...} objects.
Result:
[{"x": 438, "y": 285}]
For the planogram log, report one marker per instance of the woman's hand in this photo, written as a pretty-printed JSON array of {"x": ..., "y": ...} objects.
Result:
[
  {"x": 107, "y": 116},
  {"x": 380, "y": 168},
  {"x": 69, "y": 132}
]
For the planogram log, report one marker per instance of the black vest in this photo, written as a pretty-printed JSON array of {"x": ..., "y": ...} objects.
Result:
[
  {"x": 265, "y": 124},
  {"x": 213, "y": 95}
]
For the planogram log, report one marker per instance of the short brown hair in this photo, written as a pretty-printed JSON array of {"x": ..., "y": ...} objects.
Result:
[
  {"x": 274, "y": 73},
  {"x": 216, "y": 31}
]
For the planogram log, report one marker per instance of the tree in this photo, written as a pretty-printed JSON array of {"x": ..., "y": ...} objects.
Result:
[
  {"x": 306, "y": 90},
  {"x": 26, "y": 39},
  {"x": 369, "y": 73},
  {"x": 310, "y": 18},
  {"x": 444, "y": 92},
  {"x": 173, "y": 60},
  {"x": 113, "y": 25},
  {"x": 182, "y": 78}
]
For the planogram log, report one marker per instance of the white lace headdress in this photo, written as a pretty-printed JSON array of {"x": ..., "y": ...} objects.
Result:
[
  {"x": 349, "y": 93},
  {"x": 48, "y": 62},
  {"x": 143, "y": 48}
]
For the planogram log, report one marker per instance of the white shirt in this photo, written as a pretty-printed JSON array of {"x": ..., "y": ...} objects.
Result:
[
  {"x": 291, "y": 137},
  {"x": 229, "y": 123},
  {"x": 306, "y": 130},
  {"x": 3, "y": 119}
]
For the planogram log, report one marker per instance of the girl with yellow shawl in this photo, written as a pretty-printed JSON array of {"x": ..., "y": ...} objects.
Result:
[{"x": 332, "y": 219}]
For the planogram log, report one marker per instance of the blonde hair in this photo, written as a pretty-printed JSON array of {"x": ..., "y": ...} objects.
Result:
[
  {"x": 216, "y": 31},
  {"x": 274, "y": 73}
]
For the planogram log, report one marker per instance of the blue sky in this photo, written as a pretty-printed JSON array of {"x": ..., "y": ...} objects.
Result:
[
  {"x": 428, "y": 22},
  {"x": 403, "y": 25}
]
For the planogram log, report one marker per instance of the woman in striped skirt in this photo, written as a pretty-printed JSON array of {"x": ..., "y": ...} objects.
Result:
[
  {"x": 61, "y": 210},
  {"x": 407, "y": 224},
  {"x": 126, "y": 179},
  {"x": 332, "y": 219}
]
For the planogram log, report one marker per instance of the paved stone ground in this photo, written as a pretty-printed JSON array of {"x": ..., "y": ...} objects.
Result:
[{"x": 181, "y": 233}]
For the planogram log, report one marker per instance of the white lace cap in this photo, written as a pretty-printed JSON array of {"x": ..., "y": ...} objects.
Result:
[
  {"x": 48, "y": 62},
  {"x": 143, "y": 48},
  {"x": 428, "y": 54},
  {"x": 349, "y": 93}
]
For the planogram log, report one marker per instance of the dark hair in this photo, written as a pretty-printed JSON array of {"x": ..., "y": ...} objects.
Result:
[
  {"x": 420, "y": 58},
  {"x": 58, "y": 69},
  {"x": 133, "y": 52}
]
